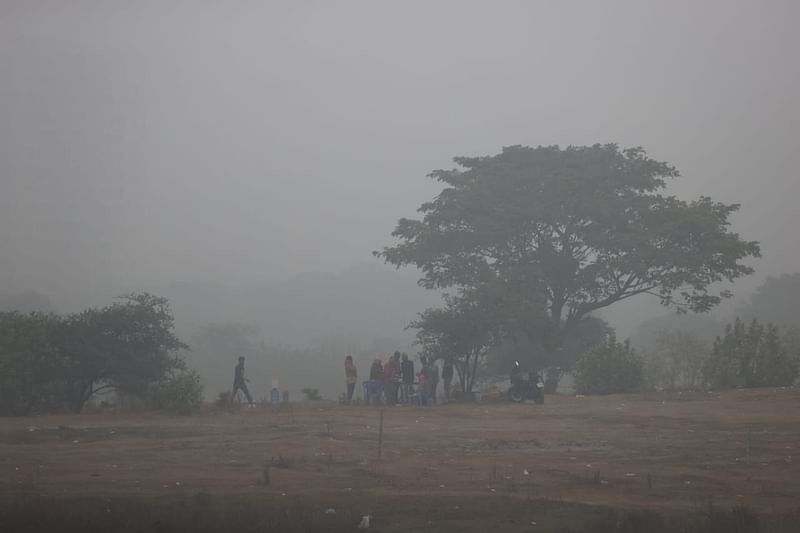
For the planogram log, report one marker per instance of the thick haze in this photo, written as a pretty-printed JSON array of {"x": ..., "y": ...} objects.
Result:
[{"x": 144, "y": 143}]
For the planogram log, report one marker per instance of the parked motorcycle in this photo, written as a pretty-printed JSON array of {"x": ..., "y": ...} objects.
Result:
[{"x": 530, "y": 387}]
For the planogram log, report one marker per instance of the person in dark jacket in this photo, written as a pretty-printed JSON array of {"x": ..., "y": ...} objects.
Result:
[
  {"x": 447, "y": 378},
  {"x": 375, "y": 386},
  {"x": 516, "y": 373},
  {"x": 407, "y": 375},
  {"x": 240, "y": 382},
  {"x": 391, "y": 372}
]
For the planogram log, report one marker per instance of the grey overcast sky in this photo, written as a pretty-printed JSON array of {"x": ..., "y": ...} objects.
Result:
[{"x": 147, "y": 142}]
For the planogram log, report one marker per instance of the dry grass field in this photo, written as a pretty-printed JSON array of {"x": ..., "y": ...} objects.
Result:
[{"x": 478, "y": 467}]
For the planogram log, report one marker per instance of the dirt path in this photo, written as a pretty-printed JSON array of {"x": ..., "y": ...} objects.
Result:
[{"x": 659, "y": 451}]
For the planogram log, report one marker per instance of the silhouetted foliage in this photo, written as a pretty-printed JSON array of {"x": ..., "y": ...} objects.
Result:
[
  {"x": 533, "y": 355},
  {"x": 610, "y": 367},
  {"x": 31, "y": 364},
  {"x": 53, "y": 363},
  {"x": 572, "y": 230},
  {"x": 312, "y": 394},
  {"x": 462, "y": 332},
  {"x": 179, "y": 393},
  {"x": 753, "y": 356}
]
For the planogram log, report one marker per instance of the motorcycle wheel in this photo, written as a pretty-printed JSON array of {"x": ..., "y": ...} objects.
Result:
[{"x": 515, "y": 395}]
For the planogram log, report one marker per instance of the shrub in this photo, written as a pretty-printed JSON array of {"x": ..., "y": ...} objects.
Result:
[
  {"x": 51, "y": 363},
  {"x": 754, "y": 356},
  {"x": 610, "y": 367},
  {"x": 181, "y": 393},
  {"x": 312, "y": 394}
]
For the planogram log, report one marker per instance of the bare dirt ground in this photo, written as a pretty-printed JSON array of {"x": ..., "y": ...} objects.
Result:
[{"x": 475, "y": 466}]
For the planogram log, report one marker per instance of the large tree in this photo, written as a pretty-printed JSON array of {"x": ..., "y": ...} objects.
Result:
[{"x": 577, "y": 229}]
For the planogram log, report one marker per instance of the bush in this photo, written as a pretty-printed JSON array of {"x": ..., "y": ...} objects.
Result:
[
  {"x": 611, "y": 367},
  {"x": 312, "y": 394},
  {"x": 53, "y": 363},
  {"x": 180, "y": 393},
  {"x": 754, "y": 356}
]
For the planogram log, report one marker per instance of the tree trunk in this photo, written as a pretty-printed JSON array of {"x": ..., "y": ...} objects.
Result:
[{"x": 85, "y": 393}]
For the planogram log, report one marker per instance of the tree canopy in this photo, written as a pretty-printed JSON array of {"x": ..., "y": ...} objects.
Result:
[
  {"x": 462, "y": 332},
  {"x": 573, "y": 230},
  {"x": 51, "y": 362},
  {"x": 775, "y": 301}
]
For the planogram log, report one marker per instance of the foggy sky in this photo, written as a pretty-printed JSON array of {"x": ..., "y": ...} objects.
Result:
[{"x": 149, "y": 142}]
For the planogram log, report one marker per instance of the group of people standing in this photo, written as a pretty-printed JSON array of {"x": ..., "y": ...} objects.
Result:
[{"x": 395, "y": 382}]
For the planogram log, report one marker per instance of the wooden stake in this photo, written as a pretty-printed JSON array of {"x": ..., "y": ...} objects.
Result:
[{"x": 380, "y": 436}]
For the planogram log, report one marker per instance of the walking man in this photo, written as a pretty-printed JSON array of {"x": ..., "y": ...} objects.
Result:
[{"x": 240, "y": 382}]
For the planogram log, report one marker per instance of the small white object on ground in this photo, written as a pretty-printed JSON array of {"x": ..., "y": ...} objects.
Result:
[
  {"x": 364, "y": 524},
  {"x": 330, "y": 510}
]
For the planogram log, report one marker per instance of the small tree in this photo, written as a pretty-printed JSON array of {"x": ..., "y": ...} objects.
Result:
[
  {"x": 462, "y": 332},
  {"x": 753, "y": 356},
  {"x": 677, "y": 361},
  {"x": 610, "y": 367}
]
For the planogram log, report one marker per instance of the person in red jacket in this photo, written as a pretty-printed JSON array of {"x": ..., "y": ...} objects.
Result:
[{"x": 351, "y": 376}]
